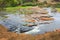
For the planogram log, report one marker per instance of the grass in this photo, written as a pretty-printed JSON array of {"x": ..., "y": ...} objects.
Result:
[
  {"x": 58, "y": 9},
  {"x": 12, "y": 9},
  {"x": 6, "y": 35}
]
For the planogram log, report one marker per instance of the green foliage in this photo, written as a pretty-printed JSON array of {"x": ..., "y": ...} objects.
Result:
[
  {"x": 57, "y": 5},
  {"x": 16, "y": 2},
  {"x": 13, "y": 3},
  {"x": 29, "y": 4},
  {"x": 17, "y": 8},
  {"x": 2, "y": 4}
]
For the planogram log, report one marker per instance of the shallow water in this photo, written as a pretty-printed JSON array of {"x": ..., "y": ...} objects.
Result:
[
  {"x": 40, "y": 29},
  {"x": 15, "y": 23}
]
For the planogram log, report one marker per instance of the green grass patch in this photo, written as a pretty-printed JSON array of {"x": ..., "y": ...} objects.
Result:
[
  {"x": 13, "y": 9},
  {"x": 58, "y": 9}
]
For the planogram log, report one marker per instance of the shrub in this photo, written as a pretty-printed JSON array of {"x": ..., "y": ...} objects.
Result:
[
  {"x": 57, "y": 5},
  {"x": 29, "y": 4}
]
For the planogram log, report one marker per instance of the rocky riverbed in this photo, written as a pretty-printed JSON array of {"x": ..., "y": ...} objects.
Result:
[{"x": 15, "y": 22}]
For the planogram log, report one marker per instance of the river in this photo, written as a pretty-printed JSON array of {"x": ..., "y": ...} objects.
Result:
[{"x": 15, "y": 23}]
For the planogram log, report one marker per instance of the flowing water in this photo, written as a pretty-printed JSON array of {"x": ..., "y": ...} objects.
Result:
[{"x": 15, "y": 24}]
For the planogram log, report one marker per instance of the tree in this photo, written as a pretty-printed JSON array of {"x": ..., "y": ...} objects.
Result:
[
  {"x": 21, "y": 1},
  {"x": 2, "y": 4}
]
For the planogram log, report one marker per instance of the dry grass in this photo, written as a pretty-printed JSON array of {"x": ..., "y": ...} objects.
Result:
[{"x": 5, "y": 35}]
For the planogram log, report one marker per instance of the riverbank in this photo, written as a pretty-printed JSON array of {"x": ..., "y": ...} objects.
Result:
[
  {"x": 11, "y": 9},
  {"x": 5, "y": 35},
  {"x": 14, "y": 9}
]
